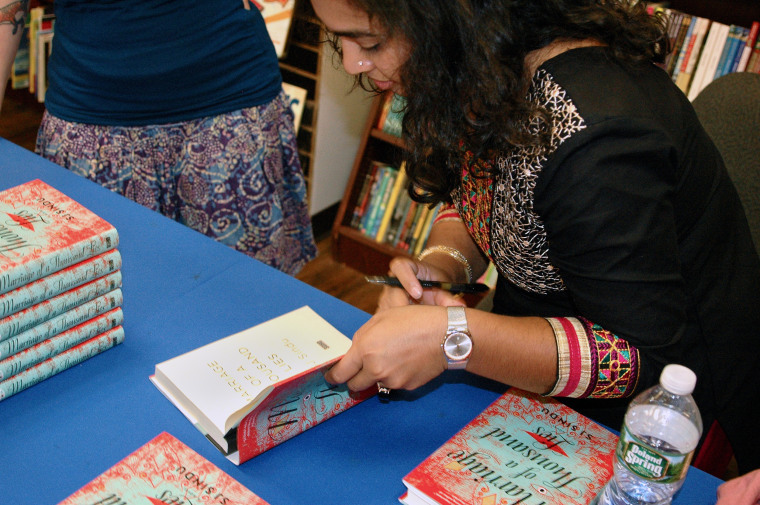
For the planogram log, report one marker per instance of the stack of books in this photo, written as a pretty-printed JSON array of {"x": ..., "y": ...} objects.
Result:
[{"x": 60, "y": 285}]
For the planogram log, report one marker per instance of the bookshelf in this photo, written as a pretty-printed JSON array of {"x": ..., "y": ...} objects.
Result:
[
  {"x": 352, "y": 247},
  {"x": 333, "y": 116}
]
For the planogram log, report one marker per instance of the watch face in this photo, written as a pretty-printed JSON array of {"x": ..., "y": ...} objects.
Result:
[{"x": 458, "y": 346}]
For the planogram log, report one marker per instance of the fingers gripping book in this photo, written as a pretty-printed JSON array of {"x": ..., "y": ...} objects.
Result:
[{"x": 257, "y": 388}]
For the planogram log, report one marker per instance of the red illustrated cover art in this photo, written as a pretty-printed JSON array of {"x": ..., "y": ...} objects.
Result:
[
  {"x": 164, "y": 471},
  {"x": 294, "y": 406},
  {"x": 43, "y": 231},
  {"x": 524, "y": 449}
]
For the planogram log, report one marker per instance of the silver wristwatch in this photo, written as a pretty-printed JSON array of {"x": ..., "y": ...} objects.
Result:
[{"x": 457, "y": 344}]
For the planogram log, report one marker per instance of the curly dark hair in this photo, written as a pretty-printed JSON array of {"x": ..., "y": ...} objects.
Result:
[{"x": 465, "y": 80}]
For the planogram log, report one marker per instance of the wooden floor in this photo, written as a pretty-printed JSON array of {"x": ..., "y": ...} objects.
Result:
[{"x": 19, "y": 118}]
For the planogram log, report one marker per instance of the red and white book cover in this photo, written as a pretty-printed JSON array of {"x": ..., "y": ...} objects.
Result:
[
  {"x": 43, "y": 231},
  {"x": 164, "y": 470},
  {"x": 524, "y": 448},
  {"x": 292, "y": 407},
  {"x": 257, "y": 388}
]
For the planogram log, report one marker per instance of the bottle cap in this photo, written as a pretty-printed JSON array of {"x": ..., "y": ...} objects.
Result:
[{"x": 678, "y": 379}]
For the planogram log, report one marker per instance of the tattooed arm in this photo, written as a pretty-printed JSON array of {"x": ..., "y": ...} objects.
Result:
[{"x": 12, "y": 19}]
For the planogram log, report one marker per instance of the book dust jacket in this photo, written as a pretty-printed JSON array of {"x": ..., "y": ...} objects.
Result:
[
  {"x": 164, "y": 471},
  {"x": 43, "y": 231},
  {"x": 523, "y": 449}
]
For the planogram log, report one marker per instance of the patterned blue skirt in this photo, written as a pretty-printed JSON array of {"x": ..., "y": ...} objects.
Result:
[{"x": 235, "y": 177}]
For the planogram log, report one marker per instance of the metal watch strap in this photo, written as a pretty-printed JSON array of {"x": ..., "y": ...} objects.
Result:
[{"x": 457, "y": 319}]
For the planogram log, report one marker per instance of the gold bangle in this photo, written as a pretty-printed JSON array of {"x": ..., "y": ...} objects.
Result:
[{"x": 449, "y": 251}]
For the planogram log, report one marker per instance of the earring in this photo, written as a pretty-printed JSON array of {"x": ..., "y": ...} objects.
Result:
[{"x": 360, "y": 63}]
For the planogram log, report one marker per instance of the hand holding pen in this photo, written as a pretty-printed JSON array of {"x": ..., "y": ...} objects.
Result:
[{"x": 452, "y": 287}]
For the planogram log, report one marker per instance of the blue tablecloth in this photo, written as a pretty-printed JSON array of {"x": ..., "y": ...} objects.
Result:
[{"x": 183, "y": 290}]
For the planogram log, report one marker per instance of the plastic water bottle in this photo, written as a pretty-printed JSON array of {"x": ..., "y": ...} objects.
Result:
[{"x": 661, "y": 430}]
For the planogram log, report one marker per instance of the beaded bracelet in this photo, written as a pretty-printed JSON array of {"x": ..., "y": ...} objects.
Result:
[{"x": 450, "y": 251}]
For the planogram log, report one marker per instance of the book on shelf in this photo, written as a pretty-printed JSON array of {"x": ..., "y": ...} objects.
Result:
[
  {"x": 60, "y": 362},
  {"x": 708, "y": 61},
  {"x": 728, "y": 53},
  {"x": 753, "y": 64},
  {"x": 748, "y": 46},
  {"x": 675, "y": 34},
  {"x": 523, "y": 448},
  {"x": 693, "y": 54},
  {"x": 379, "y": 203},
  {"x": 20, "y": 67},
  {"x": 704, "y": 50},
  {"x": 163, "y": 471},
  {"x": 399, "y": 186},
  {"x": 43, "y": 231},
  {"x": 379, "y": 183},
  {"x": 682, "y": 46},
  {"x": 259, "y": 387},
  {"x": 56, "y": 283},
  {"x": 363, "y": 197},
  {"x": 427, "y": 225},
  {"x": 41, "y": 27},
  {"x": 396, "y": 225},
  {"x": 392, "y": 114}
]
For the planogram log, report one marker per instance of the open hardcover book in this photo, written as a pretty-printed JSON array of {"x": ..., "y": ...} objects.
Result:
[
  {"x": 523, "y": 448},
  {"x": 163, "y": 471},
  {"x": 257, "y": 388}
]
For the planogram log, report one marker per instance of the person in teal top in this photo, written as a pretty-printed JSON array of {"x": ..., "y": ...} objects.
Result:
[{"x": 179, "y": 106}]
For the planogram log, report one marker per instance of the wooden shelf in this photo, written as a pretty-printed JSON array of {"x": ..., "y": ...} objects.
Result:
[{"x": 350, "y": 246}]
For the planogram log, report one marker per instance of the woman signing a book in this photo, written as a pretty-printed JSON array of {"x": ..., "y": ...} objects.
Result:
[{"x": 570, "y": 160}]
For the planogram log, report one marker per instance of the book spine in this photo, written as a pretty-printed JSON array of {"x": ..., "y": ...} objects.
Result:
[
  {"x": 426, "y": 230},
  {"x": 754, "y": 58},
  {"x": 371, "y": 198},
  {"x": 40, "y": 267},
  {"x": 727, "y": 45},
  {"x": 37, "y": 353},
  {"x": 363, "y": 197},
  {"x": 685, "y": 77},
  {"x": 708, "y": 62},
  {"x": 418, "y": 225},
  {"x": 741, "y": 42},
  {"x": 390, "y": 206},
  {"x": 678, "y": 44},
  {"x": 684, "y": 48},
  {"x": 748, "y": 46},
  {"x": 60, "y": 362},
  {"x": 54, "y": 284},
  {"x": 66, "y": 301},
  {"x": 393, "y": 123},
  {"x": 60, "y": 323},
  {"x": 397, "y": 221},
  {"x": 375, "y": 202}
]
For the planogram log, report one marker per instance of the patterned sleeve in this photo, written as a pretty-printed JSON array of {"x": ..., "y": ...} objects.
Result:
[
  {"x": 447, "y": 212},
  {"x": 592, "y": 362}
]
